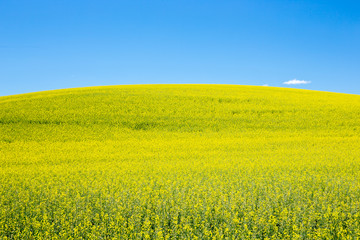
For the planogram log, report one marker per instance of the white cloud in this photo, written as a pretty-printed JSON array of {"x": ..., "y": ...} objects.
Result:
[
  {"x": 265, "y": 85},
  {"x": 295, "y": 81}
]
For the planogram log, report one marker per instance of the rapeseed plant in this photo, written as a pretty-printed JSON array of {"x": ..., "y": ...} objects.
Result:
[{"x": 180, "y": 162}]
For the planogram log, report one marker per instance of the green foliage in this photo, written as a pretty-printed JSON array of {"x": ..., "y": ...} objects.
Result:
[{"x": 180, "y": 162}]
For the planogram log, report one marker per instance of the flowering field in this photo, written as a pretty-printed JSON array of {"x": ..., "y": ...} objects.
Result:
[{"x": 180, "y": 162}]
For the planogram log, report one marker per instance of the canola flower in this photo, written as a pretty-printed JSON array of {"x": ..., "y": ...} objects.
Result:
[{"x": 180, "y": 162}]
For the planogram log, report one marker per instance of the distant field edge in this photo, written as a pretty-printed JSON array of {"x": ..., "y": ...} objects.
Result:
[{"x": 162, "y": 85}]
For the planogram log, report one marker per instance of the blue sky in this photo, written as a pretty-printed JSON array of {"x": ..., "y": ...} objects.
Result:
[{"x": 56, "y": 44}]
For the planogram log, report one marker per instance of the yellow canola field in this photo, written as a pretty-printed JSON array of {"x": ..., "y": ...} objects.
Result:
[{"x": 180, "y": 162}]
